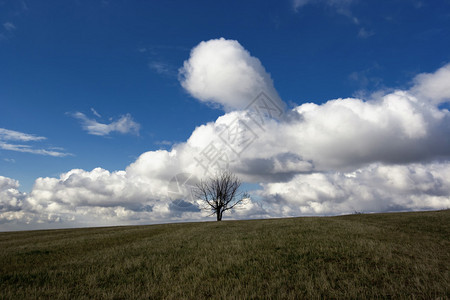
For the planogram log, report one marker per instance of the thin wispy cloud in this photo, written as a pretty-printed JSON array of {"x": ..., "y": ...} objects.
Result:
[
  {"x": 164, "y": 143},
  {"x": 339, "y": 5},
  {"x": 95, "y": 113},
  {"x": 162, "y": 68},
  {"x": 30, "y": 149},
  {"x": 364, "y": 33},
  {"x": 11, "y": 135},
  {"x": 7, "y": 31},
  {"x": 342, "y": 7},
  {"x": 366, "y": 79},
  {"x": 9, "y": 26},
  {"x": 17, "y": 9},
  {"x": 24, "y": 5},
  {"x": 157, "y": 58},
  {"x": 125, "y": 125},
  {"x": 8, "y": 137}
]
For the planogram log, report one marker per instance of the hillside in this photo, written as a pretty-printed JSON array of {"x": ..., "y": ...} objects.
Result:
[{"x": 355, "y": 256}]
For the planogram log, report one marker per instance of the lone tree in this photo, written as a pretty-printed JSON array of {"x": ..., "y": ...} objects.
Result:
[{"x": 220, "y": 193}]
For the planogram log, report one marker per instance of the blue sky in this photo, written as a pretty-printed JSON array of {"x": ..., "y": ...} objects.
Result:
[{"x": 67, "y": 64}]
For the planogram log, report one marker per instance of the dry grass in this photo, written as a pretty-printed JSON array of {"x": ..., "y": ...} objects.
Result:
[{"x": 399, "y": 255}]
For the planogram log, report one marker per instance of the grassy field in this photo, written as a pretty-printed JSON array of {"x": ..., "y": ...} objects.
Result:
[{"x": 398, "y": 255}]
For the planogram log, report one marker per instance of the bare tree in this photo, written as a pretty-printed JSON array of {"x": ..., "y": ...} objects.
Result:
[{"x": 220, "y": 193}]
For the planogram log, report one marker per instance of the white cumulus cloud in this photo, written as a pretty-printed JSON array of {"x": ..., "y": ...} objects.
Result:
[
  {"x": 434, "y": 87},
  {"x": 11, "y": 201},
  {"x": 375, "y": 188},
  {"x": 223, "y": 72}
]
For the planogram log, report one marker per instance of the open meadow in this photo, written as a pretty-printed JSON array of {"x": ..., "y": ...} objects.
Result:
[{"x": 398, "y": 255}]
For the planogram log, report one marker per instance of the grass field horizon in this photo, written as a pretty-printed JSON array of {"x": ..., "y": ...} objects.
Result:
[{"x": 384, "y": 255}]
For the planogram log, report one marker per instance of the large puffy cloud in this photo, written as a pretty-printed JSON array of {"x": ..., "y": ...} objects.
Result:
[
  {"x": 434, "y": 87},
  {"x": 11, "y": 201},
  {"x": 341, "y": 134},
  {"x": 103, "y": 197},
  {"x": 387, "y": 153},
  {"x": 221, "y": 71},
  {"x": 396, "y": 128},
  {"x": 375, "y": 188},
  {"x": 10, "y": 197}
]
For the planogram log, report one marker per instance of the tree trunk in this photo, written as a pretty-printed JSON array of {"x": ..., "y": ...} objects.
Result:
[{"x": 219, "y": 215}]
